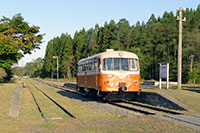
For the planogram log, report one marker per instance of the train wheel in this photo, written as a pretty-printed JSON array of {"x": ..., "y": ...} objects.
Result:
[
  {"x": 138, "y": 93},
  {"x": 77, "y": 88},
  {"x": 104, "y": 99}
]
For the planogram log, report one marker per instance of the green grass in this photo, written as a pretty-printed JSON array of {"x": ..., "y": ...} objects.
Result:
[
  {"x": 61, "y": 79},
  {"x": 185, "y": 96}
]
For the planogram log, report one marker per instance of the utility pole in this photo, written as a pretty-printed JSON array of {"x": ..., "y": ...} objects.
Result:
[
  {"x": 191, "y": 62},
  {"x": 57, "y": 66},
  {"x": 180, "y": 47}
]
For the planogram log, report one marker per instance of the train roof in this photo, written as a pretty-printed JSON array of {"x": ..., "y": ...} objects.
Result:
[{"x": 111, "y": 54}]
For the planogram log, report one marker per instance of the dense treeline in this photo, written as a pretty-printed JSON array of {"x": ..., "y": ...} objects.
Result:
[{"x": 154, "y": 41}]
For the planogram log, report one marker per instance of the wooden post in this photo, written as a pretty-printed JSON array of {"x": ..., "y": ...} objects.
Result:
[{"x": 180, "y": 48}]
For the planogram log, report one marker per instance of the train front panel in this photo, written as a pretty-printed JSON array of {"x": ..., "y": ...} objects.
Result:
[{"x": 120, "y": 81}]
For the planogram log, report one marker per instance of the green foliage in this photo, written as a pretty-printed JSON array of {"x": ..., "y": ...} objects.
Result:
[
  {"x": 63, "y": 48},
  {"x": 2, "y": 74},
  {"x": 34, "y": 69},
  {"x": 194, "y": 76},
  {"x": 19, "y": 71},
  {"x": 17, "y": 38}
]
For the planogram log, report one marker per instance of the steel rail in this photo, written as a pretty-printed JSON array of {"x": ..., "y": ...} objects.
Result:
[
  {"x": 132, "y": 109},
  {"x": 39, "y": 109},
  {"x": 61, "y": 107},
  {"x": 153, "y": 108}
]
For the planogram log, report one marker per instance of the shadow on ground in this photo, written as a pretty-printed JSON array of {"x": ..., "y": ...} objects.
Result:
[
  {"x": 193, "y": 90},
  {"x": 76, "y": 96},
  {"x": 150, "y": 98}
]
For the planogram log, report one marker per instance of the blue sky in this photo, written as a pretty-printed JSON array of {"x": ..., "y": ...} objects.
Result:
[{"x": 68, "y": 16}]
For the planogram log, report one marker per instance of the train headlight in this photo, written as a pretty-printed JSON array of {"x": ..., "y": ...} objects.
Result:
[
  {"x": 120, "y": 54},
  {"x": 107, "y": 82},
  {"x": 135, "y": 82}
]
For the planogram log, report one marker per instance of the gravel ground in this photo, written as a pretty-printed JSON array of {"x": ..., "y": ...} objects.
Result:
[
  {"x": 105, "y": 107},
  {"x": 99, "y": 105}
]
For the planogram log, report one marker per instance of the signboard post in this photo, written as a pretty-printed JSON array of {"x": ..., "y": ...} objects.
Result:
[{"x": 164, "y": 73}]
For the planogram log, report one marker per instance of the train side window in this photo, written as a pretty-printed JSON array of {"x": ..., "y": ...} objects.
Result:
[
  {"x": 104, "y": 64},
  {"x": 84, "y": 68},
  {"x": 90, "y": 66},
  {"x": 133, "y": 64},
  {"x": 93, "y": 67},
  {"x": 98, "y": 64},
  {"x": 87, "y": 67}
]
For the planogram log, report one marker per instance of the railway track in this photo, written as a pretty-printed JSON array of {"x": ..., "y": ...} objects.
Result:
[
  {"x": 39, "y": 108},
  {"x": 189, "y": 119},
  {"x": 56, "y": 103},
  {"x": 71, "y": 88},
  {"x": 143, "y": 109},
  {"x": 192, "y": 121},
  {"x": 152, "y": 107},
  {"x": 162, "y": 113},
  {"x": 132, "y": 108},
  {"x": 50, "y": 98},
  {"x": 130, "y": 105}
]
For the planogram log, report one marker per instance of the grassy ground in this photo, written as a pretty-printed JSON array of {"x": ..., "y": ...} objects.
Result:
[
  {"x": 89, "y": 119},
  {"x": 189, "y": 95}
]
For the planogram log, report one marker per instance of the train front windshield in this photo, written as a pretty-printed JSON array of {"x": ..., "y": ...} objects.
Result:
[{"x": 120, "y": 64}]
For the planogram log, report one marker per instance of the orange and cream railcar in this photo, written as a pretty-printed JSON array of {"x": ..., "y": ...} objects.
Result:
[{"x": 112, "y": 74}]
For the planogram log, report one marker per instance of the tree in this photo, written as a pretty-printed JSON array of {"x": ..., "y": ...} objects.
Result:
[
  {"x": 19, "y": 71},
  {"x": 80, "y": 45},
  {"x": 48, "y": 60},
  {"x": 122, "y": 35},
  {"x": 93, "y": 47},
  {"x": 17, "y": 38},
  {"x": 66, "y": 56},
  {"x": 34, "y": 69},
  {"x": 194, "y": 76}
]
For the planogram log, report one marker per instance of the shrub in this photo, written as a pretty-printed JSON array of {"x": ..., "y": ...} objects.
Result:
[
  {"x": 194, "y": 76},
  {"x": 3, "y": 74}
]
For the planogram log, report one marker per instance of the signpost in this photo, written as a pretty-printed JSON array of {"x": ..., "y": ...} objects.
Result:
[
  {"x": 56, "y": 57},
  {"x": 164, "y": 73}
]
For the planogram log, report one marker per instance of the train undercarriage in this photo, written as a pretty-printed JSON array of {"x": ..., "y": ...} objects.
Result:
[{"x": 108, "y": 96}]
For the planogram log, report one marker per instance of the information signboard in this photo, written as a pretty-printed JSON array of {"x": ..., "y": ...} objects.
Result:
[
  {"x": 164, "y": 73},
  {"x": 163, "y": 70}
]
